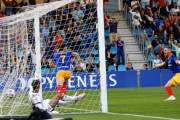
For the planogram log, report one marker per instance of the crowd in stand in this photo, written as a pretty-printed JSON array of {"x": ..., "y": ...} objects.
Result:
[
  {"x": 72, "y": 26},
  {"x": 160, "y": 24}
]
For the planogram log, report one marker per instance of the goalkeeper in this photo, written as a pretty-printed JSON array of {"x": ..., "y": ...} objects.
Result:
[{"x": 48, "y": 105}]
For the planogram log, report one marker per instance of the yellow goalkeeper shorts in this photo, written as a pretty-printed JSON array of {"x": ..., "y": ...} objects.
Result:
[
  {"x": 63, "y": 74},
  {"x": 175, "y": 80}
]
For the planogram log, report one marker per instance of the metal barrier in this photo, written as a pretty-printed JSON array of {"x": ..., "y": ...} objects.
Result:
[{"x": 139, "y": 41}]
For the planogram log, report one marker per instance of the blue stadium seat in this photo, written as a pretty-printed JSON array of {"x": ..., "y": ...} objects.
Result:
[
  {"x": 95, "y": 69},
  {"x": 44, "y": 71},
  {"x": 94, "y": 51},
  {"x": 108, "y": 42},
  {"x": 96, "y": 60},
  {"x": 113, "y": 50},
  {"x": 106, "y": 33},
  {"x": 121, "y": 68},
  {"x": 166, "y": 45},
  {"x": 112, "y": 68},
  {"x": 173, "y": 49},
  {"x": 9, "y": 13},
  {"x": 161, "y": 22},
  {"x": 137, "y": 32},
  {"x": 53, "y": 70}
]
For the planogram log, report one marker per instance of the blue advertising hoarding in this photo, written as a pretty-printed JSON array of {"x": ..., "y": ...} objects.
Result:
[{"x": 115, "y": 79}]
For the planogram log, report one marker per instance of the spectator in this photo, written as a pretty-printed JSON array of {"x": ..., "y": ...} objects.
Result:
[
  {"x": 90, "y": 66},
  {"x": 42, "y": 41},
  {"x": 3, "y": 12},
  {"x": 136, "y": 19},
  {"x": 148, "y": 10},
  {"x": 161, "y": 52},
  {"x": 129, "y": 66},
  {"x": 143, "y": 34},
  {"x": 155, "y": 44},
  {"x": 176, "y": 20},
  {"x": 160, "y": 32},
  {"x": 32, "y": 2},
  {"x": 78, "y": 68},
  {"x": 128, "y": 4},
  {"x": 45, "y": 31},
  {"x": 140, "y": 8},
  {"x": 157, "y": 61},
  {"x": 33, "y": 56},
  {"x": 144, "y": 3},
  {"x": 172, "y": 41},
  {"x": 49, "y": 51},
  {"x": 120, "y": 50},
  {"x": 59, "y": 41},
  {"x": 83, "y": 64},
  {"x": 156, "y": 8},
  {"x": 106, "y": 26},
  {"x": 156, "y": 18},
  {"x": 28, "y": 71},
  {"x": 145, "y": 20},
  {"x": 23, "y": 3},
  {"x": 87, "y": 47},
  {"x": 134, "y": 3},
  {"x": 113, "y": 29},
  {"x": 91, "y": 19},
  {"x": 177, "y": 49},
  {"x": 78, "y": 13},
  {"x": 14, "y": 6},
  {"x": 166, "y": 9},
  {"x": 145, "y": 67},
  {"x": 81, "y": 25},
  {"x": 110, "y": 57},
  {"x": 148, "y": 45},
  {"x": 19, "y": 11},
  {"x": 2, "y": 52},
  {"x": 177, "y": 34},
  {"x": 60, "y": 24},
  {"x": 174, "y": 8},
  {"x": 1, "y": 71},
  {"x": 76, "y": 44}
]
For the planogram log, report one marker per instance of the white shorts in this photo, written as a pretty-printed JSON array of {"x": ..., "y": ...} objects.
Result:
[
  {"x": 46, "y": 106},
  {"x": 136, "y": 22}
]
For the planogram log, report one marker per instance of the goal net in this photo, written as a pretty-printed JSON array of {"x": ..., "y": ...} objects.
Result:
[{"x": 29, "y": 40}]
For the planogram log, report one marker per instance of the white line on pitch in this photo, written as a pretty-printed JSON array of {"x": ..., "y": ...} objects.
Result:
[
  {"x": 143, "y": 116},
  {"x": 140, "y": 95}
]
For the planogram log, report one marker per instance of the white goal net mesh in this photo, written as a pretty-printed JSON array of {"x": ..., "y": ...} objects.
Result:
[{"x": 66, "y": 23}]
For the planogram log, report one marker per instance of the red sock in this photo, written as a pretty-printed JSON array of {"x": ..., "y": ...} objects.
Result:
[
  {"x": 64, "y": 87},
  {"x": 169, "y": 91},
  {"x": 59, "y": 89}
]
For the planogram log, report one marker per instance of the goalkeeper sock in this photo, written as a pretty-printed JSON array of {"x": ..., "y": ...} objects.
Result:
[
  {"x": 169, "y": 91},
  {"x": 68, "y": 98},
  {"x": 59, "y": 89}
]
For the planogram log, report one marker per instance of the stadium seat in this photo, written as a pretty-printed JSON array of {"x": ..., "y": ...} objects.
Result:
[
  {"x": 166, "y": 45},
  {"x": 108, "y": 42},
  {"x": 161, "y": 22},
  {"x": 53, "y": 70},
  {"x": 173, "y": 49},
  {"x": 44, "y": 71},
  {"x": 121, "y": 68},
  {"x": 112, "y": 68},
  {"x": 94, "y": 51},
  {"x": 137, "y": 32},
  {"x": 96, "y": 60},
  {"x": 9, "y": 13},
  {"x": 113, "y": 50},
  {"x": 95, "y": 69},
  {"x": 106, "y": 33}
]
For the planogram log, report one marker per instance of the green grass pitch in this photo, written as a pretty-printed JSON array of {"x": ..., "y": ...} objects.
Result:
[
  {"x": 147, "y": 101},
  {"x": 144, "y": 101}
]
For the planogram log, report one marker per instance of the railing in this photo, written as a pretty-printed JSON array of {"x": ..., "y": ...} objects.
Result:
[{"x": 139, "y": 41}]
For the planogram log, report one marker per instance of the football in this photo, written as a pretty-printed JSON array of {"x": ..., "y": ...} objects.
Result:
[{"x": 11, "y": 93}]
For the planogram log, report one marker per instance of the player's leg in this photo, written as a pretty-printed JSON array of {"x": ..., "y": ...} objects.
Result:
[
  {"x": 60, "y": 82},
  {"x": 169, "y": 84},
  {"x": 90, "y": 55},
  {"x": 55, "y": 100}
]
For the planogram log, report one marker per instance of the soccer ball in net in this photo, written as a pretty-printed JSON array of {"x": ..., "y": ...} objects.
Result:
[{"x": 11, "y": 93}]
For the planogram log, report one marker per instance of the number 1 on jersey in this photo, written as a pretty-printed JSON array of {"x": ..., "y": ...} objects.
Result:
[{"x": 63, "y": 57}]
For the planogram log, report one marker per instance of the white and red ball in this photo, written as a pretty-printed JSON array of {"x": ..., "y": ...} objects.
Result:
[{"x": 11, "y": 93}]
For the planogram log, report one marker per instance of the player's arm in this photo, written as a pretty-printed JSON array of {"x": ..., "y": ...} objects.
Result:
[
  {"x": 51, "y": 64},
  {"x": 160, "y": 65},
  {"x": 75, "y": 54}
]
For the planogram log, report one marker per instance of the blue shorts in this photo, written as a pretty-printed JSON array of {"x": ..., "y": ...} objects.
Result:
[{"x": 88, "y": 46}]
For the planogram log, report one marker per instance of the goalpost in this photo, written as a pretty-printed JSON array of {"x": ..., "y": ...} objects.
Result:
[{"x": 28, "y": 44}]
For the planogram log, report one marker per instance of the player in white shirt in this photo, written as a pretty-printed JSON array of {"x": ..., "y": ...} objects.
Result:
[{"x": 48, "y": 105}]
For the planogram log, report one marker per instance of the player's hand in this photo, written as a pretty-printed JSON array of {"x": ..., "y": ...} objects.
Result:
[{"x": 155, "y": 66}]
